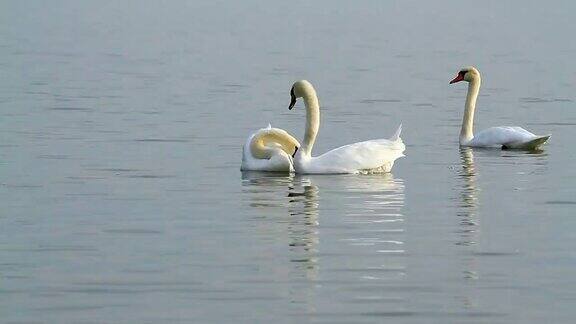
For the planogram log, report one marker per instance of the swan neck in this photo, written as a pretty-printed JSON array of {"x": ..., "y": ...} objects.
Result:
[
  {"x": 267, "y": 143},
  {"x": 258, "y": 150},
  {"x": 312, "y": 122},
  {"x": 467, "y": 131}
]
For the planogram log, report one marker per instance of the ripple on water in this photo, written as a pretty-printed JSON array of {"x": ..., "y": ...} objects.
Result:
[
  {"x": 496, "y": 254},
  {"x": 543, "y": 100},
  {"x": 424, "y": 104},
  {"x": 150, "y": 176},
  {"x": 70, "y": 109},
  {"x": 162, "y": 140},
  {"x": 132, "y": 231},
  {"x": 373, "y": 101}
]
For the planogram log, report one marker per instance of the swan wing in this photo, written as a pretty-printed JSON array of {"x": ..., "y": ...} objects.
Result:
[
  {"x": 373, "y": 155},
  {"x": 502, "y": 136}
]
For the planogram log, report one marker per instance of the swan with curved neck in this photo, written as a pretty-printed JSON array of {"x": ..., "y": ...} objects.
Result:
[
  {"x": 364, "y": 157},
  {"x": 269, "y": 149},
  {"x": 506, "y": 137}
]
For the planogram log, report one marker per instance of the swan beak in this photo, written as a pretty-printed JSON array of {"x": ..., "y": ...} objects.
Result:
[
  {"x": 458, "y": 78},
  {"x": 292, "y": 102},
  {"x": 295, "y": 150}
]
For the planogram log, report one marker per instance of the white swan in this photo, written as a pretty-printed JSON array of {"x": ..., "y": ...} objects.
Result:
[
  {"x": 369, "y": 156},
  {"x": 269, "y": 149},
  {"x": 506, "y": 137}
]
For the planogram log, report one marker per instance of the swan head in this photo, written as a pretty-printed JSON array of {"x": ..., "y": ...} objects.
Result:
[
  {"x": 300, "y": 89},
  {"x": 467, "y": 74}
]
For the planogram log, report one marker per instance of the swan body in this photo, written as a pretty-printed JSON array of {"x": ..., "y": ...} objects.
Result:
[
  {"x": 506, "y": 137},
  {"x": 269, "y": 149},
  {"x": 363, "y": 157}
]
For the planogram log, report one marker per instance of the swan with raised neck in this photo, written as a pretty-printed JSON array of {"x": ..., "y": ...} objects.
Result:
[
  {"x": 368, "y": 156},
  {"x": 304, "y": 89},
  {"x": 512, "y": 137},
  {"x": 472, "y": 76}
]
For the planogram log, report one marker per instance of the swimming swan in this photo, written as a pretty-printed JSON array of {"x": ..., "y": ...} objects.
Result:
[
  {"x": 506, "y": 137},
  {"x": 269, "y": 149},
  {"x": 363, "y": 157}
]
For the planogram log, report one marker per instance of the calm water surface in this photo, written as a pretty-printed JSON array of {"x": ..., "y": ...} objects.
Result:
[{"x": 121, "y": 130}]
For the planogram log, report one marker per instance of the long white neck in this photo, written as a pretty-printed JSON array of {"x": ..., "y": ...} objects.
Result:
[
  {"x": 312, "y": 120},
  {"x": 467, "y": 131}
]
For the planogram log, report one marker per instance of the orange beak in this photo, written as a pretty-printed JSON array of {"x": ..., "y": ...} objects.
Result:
[{"x": 458, "y": 78}]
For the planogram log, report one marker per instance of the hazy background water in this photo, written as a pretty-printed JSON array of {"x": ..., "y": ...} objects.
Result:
[{"x": 121, "y": 131}]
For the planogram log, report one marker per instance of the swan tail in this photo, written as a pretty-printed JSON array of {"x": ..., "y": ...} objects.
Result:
[
  {"x": 533, "y": 144},
  {"x": 396, "y": 136},
  {"x": 537, "y": 142}
]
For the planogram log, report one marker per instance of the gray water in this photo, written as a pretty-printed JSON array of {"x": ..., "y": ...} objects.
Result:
[{"x": 121, "y": 130}]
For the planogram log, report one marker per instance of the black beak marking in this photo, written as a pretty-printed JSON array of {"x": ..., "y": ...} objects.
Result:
[
  {"x": 292, "y": 100},
  {"x": 295, "y": 150}
]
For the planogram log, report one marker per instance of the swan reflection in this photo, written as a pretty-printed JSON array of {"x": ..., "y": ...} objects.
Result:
[
  {"x": 303, "y": 208},
  {"x": 468, "y": 202},
  {"x": 287, "y": 208},
  {"x": 469, "y": 222},
  {"x": 346, "y": 229},
  {"x": 360, "y": 216},
  {"x": 373, "y": 243},
  {"x": 264, "y": 188}
]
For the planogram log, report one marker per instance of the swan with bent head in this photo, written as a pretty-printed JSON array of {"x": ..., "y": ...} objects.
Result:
[
  {"x": 269, "y": 149},
  {"x": 506, "y": 137},
  {"x": 364, "y": 157}
]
